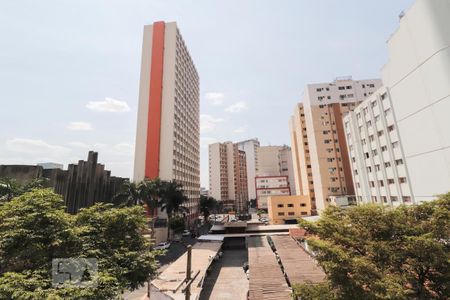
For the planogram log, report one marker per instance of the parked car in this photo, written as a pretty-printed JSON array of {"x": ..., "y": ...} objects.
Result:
[
  {"x": 186, "y": 233},
  {"x": 162, "y": 246}
]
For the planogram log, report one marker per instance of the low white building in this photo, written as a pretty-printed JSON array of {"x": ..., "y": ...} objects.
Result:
[
  {"x": 376, "y": 156},
  {"x": 267, "y": 186}
]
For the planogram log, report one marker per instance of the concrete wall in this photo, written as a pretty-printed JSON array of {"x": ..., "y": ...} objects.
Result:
[{"x": 418, "y": 76}]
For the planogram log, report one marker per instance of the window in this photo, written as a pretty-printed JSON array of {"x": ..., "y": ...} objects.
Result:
[
  {"x": 373, "y": 104},
  {"x": 303, "y": 213},
  {"x": 366, "y": 155},
  {"x": 399, "y": 162},
  {"x": 372, "y": 184},
  {"x": 391, "y": 128},
  {"x": 380, "y": 133},
  {"x": 319, "y": 89},
  {"x": 394, "y": 198},
  {"x": 280, "y": 205},
  {"x": 302, "y": 204},
  {"x": 374, "y": 152},
  {"x": 358, "y": 185},
  {"x": 383, "y": 96},
  {"x": 387, "y": 164},
  {"x": 281, "y": 213},
  {"x": 384, "y": 199},
  {"x": 369, "y": 123},
  {"x": 290, "y": 205},
  {"x": 377, "y": 167},
  {"x": 406, "y": 199},
  {"x": 291, "y": 213},
  {"x": 395, "y": 145},
  {"x": 381, "y": 182},
  {"x": 341, "y": 88},
  {"x": 369, "y": 169},
  {"x": 383, "y": 148},
  {"x": 402, "y": 179},
  {"x": 390, "y": 181}
]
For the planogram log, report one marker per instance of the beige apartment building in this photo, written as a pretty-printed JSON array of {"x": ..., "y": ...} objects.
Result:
[
  {"x": 168, "y": 131},
  {"x": 250, "y": 147},
  {"x": 287, "y": 209},
  {"x": 228, "y": 175},
  {"x": 276, "y": 161},
  {"x": 319, "y": 149}
]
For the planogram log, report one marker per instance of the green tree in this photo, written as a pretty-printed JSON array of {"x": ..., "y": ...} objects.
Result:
[
  {"x": 207, "y": 206},
  {"x": 34, "y": 229},
  {"x": 171, "y": 199},
  {"x": 372, "y": 252},
  {"x": 177, "y": 224},
  {"x": 129, "y": 194},
  {"x": 10, "y": 188}
]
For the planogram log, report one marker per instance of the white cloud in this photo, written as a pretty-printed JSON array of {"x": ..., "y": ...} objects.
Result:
[
  {"x": 32, "y": 146},
  {"x": 240, "y": 130},
  {"x": 215, "y": 98},
  {"x": 84, "y": 126},
  {"x": 109, "y": 105},
  {"x": 208, "y": 123},
  {"x": 237, "y": 107},
  {"x": 205, "y": 141}
]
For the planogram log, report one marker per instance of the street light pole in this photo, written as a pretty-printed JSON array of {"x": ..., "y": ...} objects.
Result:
[{"x": 188, "y": 272}]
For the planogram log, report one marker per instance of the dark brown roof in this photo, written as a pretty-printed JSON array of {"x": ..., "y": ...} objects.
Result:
[
  {"x": 267, "y": 281},
  {"x": 298, "y": 265}
]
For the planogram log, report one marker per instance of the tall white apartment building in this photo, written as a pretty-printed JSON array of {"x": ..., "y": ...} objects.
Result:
[
  {"x": 250, "y": 147},
  {"x": 228, "y": 175},
  {"x": 418, "y": 77},
  {"x": 168, "y": 132},
  {"x": 319, "y": 150},
  {"x": 380, "y": 174}
]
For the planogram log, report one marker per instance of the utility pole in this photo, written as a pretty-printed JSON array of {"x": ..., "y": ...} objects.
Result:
[{"x": 188, "y": 272}]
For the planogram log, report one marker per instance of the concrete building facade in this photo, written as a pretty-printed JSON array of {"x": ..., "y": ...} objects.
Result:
[
  {"x": 287, "y": 209},
  {"x": 267, "y": 186},
  {"x": 250, "y": 147},
  {"x": 228, "y": 175},
  {"x": 320, "y": 157},
  {"x": 418, "y": 77},
  {"x": 276, "y": 161},
  {"x": 167, "y": 138},
  {"x": 380, "y": 173}
]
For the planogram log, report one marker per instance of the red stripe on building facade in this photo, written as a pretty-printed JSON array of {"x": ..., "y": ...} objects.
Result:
[{"x": 155, "y": 102}]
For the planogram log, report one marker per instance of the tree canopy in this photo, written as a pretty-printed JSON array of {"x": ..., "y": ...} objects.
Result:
[
  {"x": 374, "y": 252},
  {"x": 34, "y": 229},
  {"x": 207, "y": 205}
]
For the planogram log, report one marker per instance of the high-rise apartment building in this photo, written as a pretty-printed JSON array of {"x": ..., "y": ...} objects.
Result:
[
  {"x": 167, "y": 139},
  {"x": 250, "y": 147},
  {"x": 276, "y": 161},
  {"x": 377, "y": 161},
  {"x": 418, "y": 77},
  {"x": 228, "y": 175},
  {"x": 319, "y": 149}
]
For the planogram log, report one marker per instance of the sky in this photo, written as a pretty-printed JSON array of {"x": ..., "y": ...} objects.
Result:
[{"x": 69, "y": 70}]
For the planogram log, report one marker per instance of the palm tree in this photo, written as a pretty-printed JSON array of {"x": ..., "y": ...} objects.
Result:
[
  {"x": 129, "y": 195},
  {"x": 172, "y": 198},
  {"x": 207, "y": 205}
]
